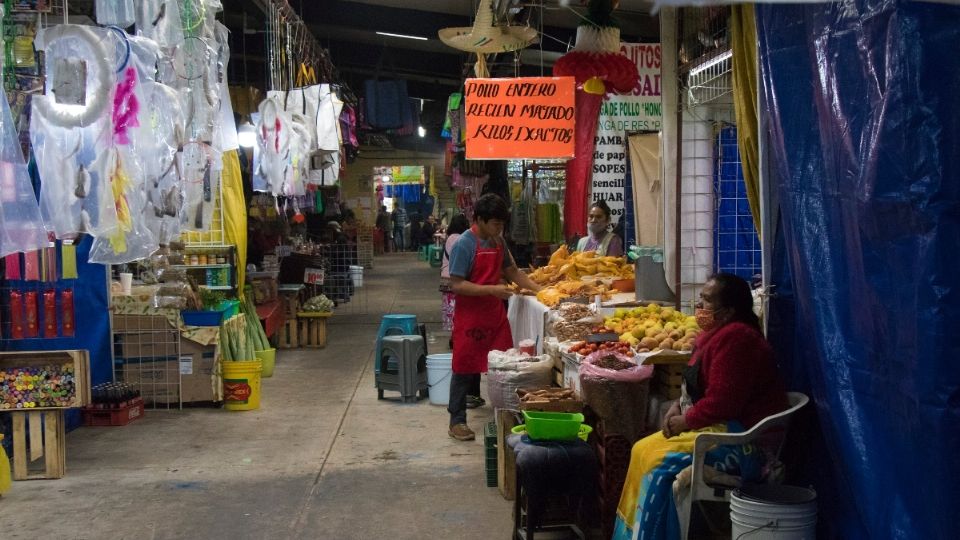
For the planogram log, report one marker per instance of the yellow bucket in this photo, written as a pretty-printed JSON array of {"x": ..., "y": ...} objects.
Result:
[
  {"x": 241, "y": 385},
  {"x": 268, "y": 358}
]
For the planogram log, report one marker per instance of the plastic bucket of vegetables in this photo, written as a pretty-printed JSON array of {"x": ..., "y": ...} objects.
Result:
[{"x": 268, "y": 358}]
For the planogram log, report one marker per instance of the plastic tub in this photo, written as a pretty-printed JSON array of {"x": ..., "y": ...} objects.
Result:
[
  {"x": 439, "y": 373},
  {"x": 241, "y": 385},
  {"x": 583, "y": 433},
  {"x": 551, "y": 426},
  {"x": 356, "y": 274},
  {"x": 203, "y": 318},
  {"x": 773, "y": 512}
]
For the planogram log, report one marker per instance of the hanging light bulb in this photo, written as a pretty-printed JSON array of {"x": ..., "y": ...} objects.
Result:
[
  {"x": 247, "y": 135},
  {"x": 421, "y": 131}
]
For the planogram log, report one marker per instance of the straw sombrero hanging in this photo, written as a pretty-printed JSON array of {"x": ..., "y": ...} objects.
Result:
[{"x": 484, "y": 38}]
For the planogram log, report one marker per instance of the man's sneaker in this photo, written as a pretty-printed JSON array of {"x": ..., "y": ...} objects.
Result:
[
  {"x": 461, "y": 432},
  {"x": 475, "y": 401}
]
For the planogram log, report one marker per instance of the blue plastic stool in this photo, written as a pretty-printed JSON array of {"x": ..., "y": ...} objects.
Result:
[
  {"x": 422, "y": 253},
  {"x": 394, "y": 325}
]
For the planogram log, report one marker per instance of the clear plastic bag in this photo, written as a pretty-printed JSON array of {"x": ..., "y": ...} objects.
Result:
[
  {"x": 200, "y": 168},
  {"x": 510, "y": 370},
  {"x": 159, "y": 20},
  {"x": 131, "y": 240},
  {"x": 115, "y": 13},
  {"x": 273, "y": 140},
  {"x": 21, "y": 228}
]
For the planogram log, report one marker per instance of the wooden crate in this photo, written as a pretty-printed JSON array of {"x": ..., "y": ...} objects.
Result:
[
  {"x": 287, "y": 335},
  {"x": 667, "y": 380},
  {"x": 46, "y": 441},
  {"x": 312, "y": 331},
  {"x": 81, "y": 369}
]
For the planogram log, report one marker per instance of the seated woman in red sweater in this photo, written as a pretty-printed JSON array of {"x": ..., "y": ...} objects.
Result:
[{"x": 730, "y": 384}]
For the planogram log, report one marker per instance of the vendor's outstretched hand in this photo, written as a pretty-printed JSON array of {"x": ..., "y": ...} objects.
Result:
[{"x": 502, "y": 292}]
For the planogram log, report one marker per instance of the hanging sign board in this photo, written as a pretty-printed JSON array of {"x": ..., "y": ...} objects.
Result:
[
  {"x": 621, "y": 114},
  {"x": 525, "y": 118}
]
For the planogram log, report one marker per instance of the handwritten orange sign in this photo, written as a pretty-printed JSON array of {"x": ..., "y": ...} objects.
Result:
[{"x": 526, "y": 118}]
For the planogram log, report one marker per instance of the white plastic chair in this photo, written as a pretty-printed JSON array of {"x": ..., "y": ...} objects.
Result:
[{"x": 699, "y": 489}]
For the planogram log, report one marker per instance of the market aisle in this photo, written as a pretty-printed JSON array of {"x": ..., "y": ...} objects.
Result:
[{"x": 322, "y": 458}]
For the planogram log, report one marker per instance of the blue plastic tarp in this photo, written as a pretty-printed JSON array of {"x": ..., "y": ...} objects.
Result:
[{"x": 865, "y": 140}]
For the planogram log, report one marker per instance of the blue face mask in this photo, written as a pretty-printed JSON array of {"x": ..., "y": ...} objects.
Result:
[{"x": 597, "y": 227}]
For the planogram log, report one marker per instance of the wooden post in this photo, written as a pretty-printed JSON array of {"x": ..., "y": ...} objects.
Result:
[{"x": 506, "y": 459}]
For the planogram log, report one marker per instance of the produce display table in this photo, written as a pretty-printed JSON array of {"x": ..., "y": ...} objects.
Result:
[{"x": 271, "y": 315}]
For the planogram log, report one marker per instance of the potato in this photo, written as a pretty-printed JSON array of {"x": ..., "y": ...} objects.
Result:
[
  {"x": 661, "y": 336},
  {"x": 678, "y": 346},
  {"x": 676, "y": 334},
  {"x": 666, "y": 344},
  {"x": 686, "y": 347},
  {"x": 648, "y": 343},
  {"x": 643, "y": 350}
]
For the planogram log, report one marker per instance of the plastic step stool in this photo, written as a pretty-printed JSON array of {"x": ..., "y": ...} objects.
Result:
[
  {"x": 394, "y": 324},
  {"x": 404, "y": 367}
]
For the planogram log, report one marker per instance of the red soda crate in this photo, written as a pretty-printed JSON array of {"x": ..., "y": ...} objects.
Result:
[{"x": 128, "y": 412}]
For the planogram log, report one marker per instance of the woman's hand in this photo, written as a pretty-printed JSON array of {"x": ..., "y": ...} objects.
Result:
[
  {"x": 676, "y": 425},
  {"x": 673, "y": 411}
]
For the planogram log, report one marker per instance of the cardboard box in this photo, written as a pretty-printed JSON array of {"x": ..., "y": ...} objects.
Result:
[{"x": 196, "y": 369}]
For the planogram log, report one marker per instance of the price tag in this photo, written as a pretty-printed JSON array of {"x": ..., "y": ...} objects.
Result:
[{"x": 313, "y": 276}]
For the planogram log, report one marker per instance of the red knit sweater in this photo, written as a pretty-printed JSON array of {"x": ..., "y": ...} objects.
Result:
[{"x": 739, "y": 378}]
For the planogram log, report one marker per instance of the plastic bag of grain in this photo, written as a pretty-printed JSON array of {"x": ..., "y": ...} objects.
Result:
[
  {"x": 617, "y": 389},
  {"x": 510, "y": 370}
]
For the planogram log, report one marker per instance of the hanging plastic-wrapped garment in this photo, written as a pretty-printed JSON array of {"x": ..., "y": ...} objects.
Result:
[
  {"x": 159, "y": 20},
  {"x": 115, "y": 13},
  {"x": 200, "y": 168},
  {"x": 273, "y": 138},
  {"x": 163, "y": 187},
  {"x": 79, "y": 77},
  {"x": 131, "y": 240},
  {"x": 21, "y": 228},
  {"x": 194, "y": 65}
]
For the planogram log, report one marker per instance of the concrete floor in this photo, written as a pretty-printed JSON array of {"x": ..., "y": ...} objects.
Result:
[{"x": 321, "y": 458}]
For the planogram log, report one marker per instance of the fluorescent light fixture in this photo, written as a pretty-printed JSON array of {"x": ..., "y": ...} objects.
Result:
[
  {"x": 246, "y": 135},
  {"x": 421, "y": 131},
  {"x": 723, "y": 57},
  {"x": 404, "y": 36}
]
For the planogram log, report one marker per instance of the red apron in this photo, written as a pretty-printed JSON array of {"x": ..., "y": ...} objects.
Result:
[{"x": 480, "y": 322}]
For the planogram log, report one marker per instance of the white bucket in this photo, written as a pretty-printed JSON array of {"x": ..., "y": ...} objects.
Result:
[
  {"x": 769, "y": 512},
  {"x": 439, "y": 373},
  {"x": 356, "y": 274}
]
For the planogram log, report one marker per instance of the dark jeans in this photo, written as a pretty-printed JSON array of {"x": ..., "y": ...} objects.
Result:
[{"x": 461, "y": 385}]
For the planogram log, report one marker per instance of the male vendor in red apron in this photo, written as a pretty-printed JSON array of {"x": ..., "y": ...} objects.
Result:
[{"x": 479, "y": 265}]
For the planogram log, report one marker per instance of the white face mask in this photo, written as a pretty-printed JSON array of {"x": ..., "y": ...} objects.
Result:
[{"x": 597, "y": 227}]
